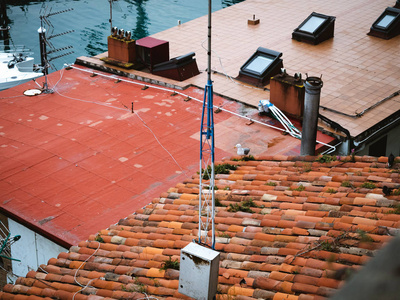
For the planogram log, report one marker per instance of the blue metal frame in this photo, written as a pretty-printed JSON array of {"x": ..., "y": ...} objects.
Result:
[{"x": 207, "y": 158}]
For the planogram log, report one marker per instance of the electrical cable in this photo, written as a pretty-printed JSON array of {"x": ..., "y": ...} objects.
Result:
[
  {"x": 43, "y": 270},
  {"x": 121, "y": 109},
  {"x": 147, "y": 297},
  {"x": 76, "y": 272},
  {"x": 158, "y": 141},
  {"x": 277, "y": 113},
  {"x": 198, "y": 100},
  {"x": 225, "y": 73},
  {"x": 360, "y": 114}
]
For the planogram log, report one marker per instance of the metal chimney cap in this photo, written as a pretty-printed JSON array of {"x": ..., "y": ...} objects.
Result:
[
  {"x": 314, "y": 81},
  {"x": 313, "y": 85}
]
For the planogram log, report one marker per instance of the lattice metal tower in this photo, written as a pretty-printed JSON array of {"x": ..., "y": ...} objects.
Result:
[{"x": 207, "y": 193}]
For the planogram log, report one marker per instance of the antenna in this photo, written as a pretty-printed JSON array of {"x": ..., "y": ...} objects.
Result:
[
  {"x": 111, "y": 5},
  {"x": 207, "y": 193},
  {"x": 45, "y": 35}
]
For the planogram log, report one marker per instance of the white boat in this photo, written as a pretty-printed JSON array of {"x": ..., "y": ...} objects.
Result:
[{"x": 16, "y": 67}]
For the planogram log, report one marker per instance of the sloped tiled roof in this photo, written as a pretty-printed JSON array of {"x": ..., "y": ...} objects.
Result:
[{"x": 308, "y": 225}]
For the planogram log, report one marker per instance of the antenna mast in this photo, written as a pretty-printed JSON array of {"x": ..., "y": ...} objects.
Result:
[
  {"x": 111, "y": 6},
  {"x": 207, "y": 193},
  {"x": 44, "y": 40}
]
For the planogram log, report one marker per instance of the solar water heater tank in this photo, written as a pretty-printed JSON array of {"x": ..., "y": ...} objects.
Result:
[{"x": 198, "y": 275}]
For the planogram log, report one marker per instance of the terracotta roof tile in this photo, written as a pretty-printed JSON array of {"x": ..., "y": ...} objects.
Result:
[{"x": 291, "y": 247}]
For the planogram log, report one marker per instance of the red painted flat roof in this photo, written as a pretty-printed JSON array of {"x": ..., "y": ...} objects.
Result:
[{"x": 78, "y": 160}]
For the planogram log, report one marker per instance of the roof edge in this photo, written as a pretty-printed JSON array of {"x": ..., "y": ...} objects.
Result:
[{"x": 35, "y": 228}]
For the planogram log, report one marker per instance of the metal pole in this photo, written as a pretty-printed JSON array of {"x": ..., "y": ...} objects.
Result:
[
  {"x": 43, "y": 52},
  {"x": 209, "y": 42},
  {"x": 110, "y": 14},
  {"x": 207, "y": 206},
  {"x": 312, "y": 96}
]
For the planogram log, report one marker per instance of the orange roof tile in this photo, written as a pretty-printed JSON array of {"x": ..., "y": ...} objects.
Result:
[{"x": 278, "y": 253}]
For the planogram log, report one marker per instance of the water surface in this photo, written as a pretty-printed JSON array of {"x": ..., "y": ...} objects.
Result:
[{"x": 90, "y": 21}]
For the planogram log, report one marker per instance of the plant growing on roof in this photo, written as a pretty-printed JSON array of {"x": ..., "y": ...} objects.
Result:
[
  {"x": 329, "y": 246},
  {"x": 364, "y": 236},
  {"x": 271, "y": 183},
  {"x": 346, "y": 183},
  {"x": 250, "y": 203},
  {"x": 243, "y": 206},
  {"x": 140, "y": 287},
  {"x": 334, "y": 244},
  {"x": 129, "y": 290},
  {"x": 156, "y": 283},
  {"x": 307, "y": 167},
  {"x": 218, "y": 169},
  {"x": 99, "y": 239},
  {"x": 300, "y": 188},
  {"x": 368, "y": 185},
  {"x": 244, "y": 158},
  {"x": 218, "y": 203},
  {"x": 224, "y": 235},
  {"x": 326, "y": 158},
  {"x": 236, "y": 207},
  {"x": 331, "y": 191},
  {"x": 396, "y": 209},
  {"x": 170, "y": 264}
]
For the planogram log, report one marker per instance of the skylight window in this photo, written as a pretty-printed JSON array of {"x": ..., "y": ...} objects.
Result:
[
  {"x": 315, "y": 29},
  {"x": 387, "y": 25},
  {"x": 385, "y": 21},
  {"x": 261, "y": 66},
  {"x": 312, "y": 24}
]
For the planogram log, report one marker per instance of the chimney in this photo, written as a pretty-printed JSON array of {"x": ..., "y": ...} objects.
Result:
[{"x": 312, "y": 87}]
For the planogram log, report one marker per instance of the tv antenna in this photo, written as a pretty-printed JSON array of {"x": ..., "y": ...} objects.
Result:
[
  {"x": 207, "y": 193},
  {"x": 45, "y": 37}
]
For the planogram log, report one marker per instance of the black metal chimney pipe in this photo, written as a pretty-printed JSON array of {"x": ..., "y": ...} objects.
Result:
[{"x": 312, "y": 96}]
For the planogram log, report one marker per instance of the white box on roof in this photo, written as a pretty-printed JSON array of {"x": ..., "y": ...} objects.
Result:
[{"x": 198, "y": 276}]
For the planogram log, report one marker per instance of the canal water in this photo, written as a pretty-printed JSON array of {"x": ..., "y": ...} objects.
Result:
[{"x": 89, "y": 21}]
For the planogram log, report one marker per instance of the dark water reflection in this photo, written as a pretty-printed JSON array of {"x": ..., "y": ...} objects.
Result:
[{"x": 90, "y": 20}]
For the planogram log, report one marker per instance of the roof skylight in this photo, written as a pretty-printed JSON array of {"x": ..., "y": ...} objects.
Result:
[
  {"x": 385, "y": 21},
  {"x": 261, "y": 66},
  {"x": 312, "y": 24},
  {"x": 387, "y": 25},
  {"x": 315, "y": 29}
]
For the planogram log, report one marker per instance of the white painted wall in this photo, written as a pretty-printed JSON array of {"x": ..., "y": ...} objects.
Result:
[{"x": 32, "y": 249}]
